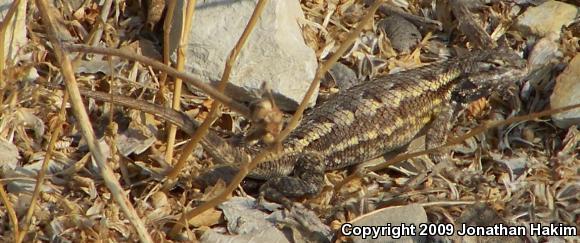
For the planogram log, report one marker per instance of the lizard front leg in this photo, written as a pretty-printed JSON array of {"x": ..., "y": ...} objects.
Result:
[
  {"x": 307, "y": 181},
  {"x": 437, "y": 133},
  {"x": 436, "y": 136}
]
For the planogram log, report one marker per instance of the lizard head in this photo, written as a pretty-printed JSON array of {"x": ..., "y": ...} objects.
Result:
[
  {"x": 495, "y": 60},
  {"x": 489, "y": 70}
]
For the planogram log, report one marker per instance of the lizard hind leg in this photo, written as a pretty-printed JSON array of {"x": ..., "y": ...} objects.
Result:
[{"x": 307, "y": 181}]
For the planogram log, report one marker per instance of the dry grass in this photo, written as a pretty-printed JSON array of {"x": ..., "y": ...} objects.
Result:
[{"x": 525, "y": 168}]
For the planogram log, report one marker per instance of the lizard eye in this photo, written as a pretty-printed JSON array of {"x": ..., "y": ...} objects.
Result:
[{"x": 497, "y": 63}]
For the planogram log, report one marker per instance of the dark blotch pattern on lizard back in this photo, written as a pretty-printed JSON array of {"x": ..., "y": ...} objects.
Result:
[{"x": 377, "y": 117}]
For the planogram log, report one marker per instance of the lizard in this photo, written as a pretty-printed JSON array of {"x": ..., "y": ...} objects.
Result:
[{"x": 363, "y": 122}]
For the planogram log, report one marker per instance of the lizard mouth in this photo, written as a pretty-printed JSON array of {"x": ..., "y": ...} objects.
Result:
[{"x": 503, "y": 74}]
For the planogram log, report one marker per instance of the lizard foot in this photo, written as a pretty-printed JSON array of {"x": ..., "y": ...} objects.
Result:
[{"x": 307, "y": 181}]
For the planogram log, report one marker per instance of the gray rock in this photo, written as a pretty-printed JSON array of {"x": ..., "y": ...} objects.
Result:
[
  {"x": 567, "y": 92},
  {"x": 245, "y": 223},
  {"x": 545, "y": 51},
  {"x": 410, "y": 215},
  {"x": 403, "y": 34},
  {"x": 342, "y": 76},
  {"x": 275, "y": 51},
  {"x": 547, "y": 17},
  {"x": 8, "y": 155},
  {"x": 482, "y": 214}
]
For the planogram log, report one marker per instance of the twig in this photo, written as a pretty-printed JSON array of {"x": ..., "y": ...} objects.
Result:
[
  {"x": 263, "y": 155},
  {"x": 11, "y": 213},
  {"x": 202, "y": 130},
  {"x": 181, "y": 59},
  {"x": 167, "y": 25},
  {"x": 188, "y": 78},
  {"x": 7, "y": 21},
  {"x": 447, "y": 203},
  {"x": 41, "y": 174},
  {"x": 100, "y": 28},
  {"x": 85, "y": 125}
]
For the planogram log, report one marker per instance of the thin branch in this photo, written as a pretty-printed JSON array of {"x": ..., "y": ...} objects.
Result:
[
  {"x": 102, "y": 23},
  {"x": 167, "y": 25},
  {"x": 41, "y": 174},
  {"x": 181, "y": 59},
  {"x": 7, "y": 21},
  {"x": 11, "y": 213},
  {"x": 188, "y": 78},
  {"x": 85, "y": 125}
]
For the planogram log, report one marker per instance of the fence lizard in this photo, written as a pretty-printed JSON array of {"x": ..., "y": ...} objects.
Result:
[{"x": 363, "y": 122}]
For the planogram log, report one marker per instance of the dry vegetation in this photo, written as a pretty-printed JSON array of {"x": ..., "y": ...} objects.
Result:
[{"x": 527, "y": 171}]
